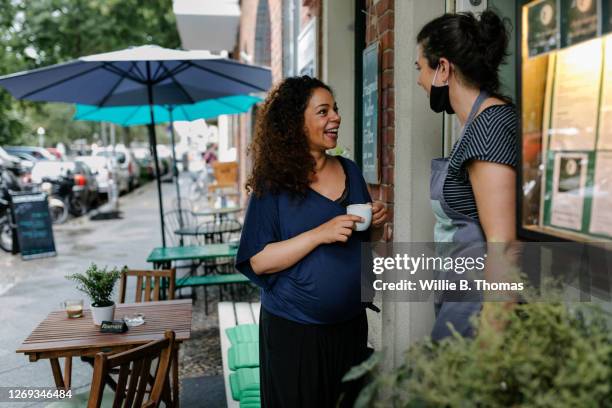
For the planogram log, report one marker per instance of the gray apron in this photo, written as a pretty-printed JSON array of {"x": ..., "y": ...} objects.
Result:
[{"x": 461, "y": 235}]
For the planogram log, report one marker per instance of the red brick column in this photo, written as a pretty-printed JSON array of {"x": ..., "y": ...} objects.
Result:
[{"x": 380, "y": 22}]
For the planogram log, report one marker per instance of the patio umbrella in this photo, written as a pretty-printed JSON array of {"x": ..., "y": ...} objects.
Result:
[
  {"x": 147, "y": 75},
  {"x": 140, "y": 115}
]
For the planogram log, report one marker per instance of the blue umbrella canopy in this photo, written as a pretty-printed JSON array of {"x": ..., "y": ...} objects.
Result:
[
  {"x": 140, "y": 115},
  {"x": 146, "y": 75}
]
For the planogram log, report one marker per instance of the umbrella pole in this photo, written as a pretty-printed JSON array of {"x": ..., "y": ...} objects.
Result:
[
  {"x": 175, "y": 172},
  {"x": 153, "y": 143},
  {"x": 174, "y": 167}
]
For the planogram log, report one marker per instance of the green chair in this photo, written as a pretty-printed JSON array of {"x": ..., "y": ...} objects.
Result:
[
  {"x": 243, "y": 380},
  {"x": 243, "y": 355},
  {"x": 243, "y": 333}
]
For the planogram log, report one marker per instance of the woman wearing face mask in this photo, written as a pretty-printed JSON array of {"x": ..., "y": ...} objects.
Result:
[
  {"x": 299, "y": 245},
  {"x": 473, "y": 190}
]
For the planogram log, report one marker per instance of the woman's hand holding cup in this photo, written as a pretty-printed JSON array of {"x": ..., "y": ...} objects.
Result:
[
  {"x": 379, "y": 214},
  {"x": 338, "y": 229}
]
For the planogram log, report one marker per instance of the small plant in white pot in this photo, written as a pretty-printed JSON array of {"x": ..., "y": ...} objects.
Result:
[{"x": 98, "y": 284}]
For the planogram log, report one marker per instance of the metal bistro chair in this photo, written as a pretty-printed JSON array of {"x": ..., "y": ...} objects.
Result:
[
  {"x": 218, "y": 232},
  {"x": 186, "y": 204},
  {"x": 175, "y": 220}
]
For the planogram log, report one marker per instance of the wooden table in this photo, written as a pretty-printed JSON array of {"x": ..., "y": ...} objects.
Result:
[
  {"x": 57, "y": 336},
  {"x": 163, "y": 257}
]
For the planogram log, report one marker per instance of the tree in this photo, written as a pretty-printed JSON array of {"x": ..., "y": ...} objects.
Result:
[{"x": 38, "y": 33}]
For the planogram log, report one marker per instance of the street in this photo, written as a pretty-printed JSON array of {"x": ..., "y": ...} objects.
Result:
[{"x": 29, "y": 290}]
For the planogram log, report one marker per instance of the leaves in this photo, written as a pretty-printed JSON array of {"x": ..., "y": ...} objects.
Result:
[
  {"x": 44, "y": 32},
  {"x": 362, "y": 369},
  {"x": 98, "y": 284},
  {"x": 548, "y": 355}
]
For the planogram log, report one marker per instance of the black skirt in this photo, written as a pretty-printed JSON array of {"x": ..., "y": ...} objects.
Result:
[{"x": 302, "y": 365}]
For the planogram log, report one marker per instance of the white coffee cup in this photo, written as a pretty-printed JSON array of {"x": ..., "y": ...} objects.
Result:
[{"x": 364, "y": 211}]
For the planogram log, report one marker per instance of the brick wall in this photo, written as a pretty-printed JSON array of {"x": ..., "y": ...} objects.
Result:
[{"x": 380, "y": 27}]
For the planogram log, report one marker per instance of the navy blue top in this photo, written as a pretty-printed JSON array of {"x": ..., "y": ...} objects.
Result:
[{"x": 323, "y": 287}]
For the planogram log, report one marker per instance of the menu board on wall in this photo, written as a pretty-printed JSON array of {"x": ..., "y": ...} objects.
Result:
[
  {"x": 576, "y": 97},
  {"x": 601, "y": 210},
  {"x": 542, "y": 27},
  {"x": 606, "y": 16},
  {"x": 605, "y": 113},
  {"x": 579, "y": 21},
  {"x": 370, "y": 114},
  {"x": 568, "y": 190},
  {"x": 567, "y": 99}
]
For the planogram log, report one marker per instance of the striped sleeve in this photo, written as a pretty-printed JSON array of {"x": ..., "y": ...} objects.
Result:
[{"x": 491, "y": 137}]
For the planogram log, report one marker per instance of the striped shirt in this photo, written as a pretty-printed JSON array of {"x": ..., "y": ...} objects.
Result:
[{"x": 492, "y": 137}]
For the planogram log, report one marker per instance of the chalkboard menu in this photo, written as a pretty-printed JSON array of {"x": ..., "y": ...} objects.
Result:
[
  {"x": 34, "y": 231},
  {"x": 370, "y": 114},
  {"x": 606, "y": 16}
]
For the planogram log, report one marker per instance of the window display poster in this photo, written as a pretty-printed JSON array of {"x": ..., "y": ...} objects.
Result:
[
  {"x": 575, "y": 100},
  {"x": 606, "y": 16},
  {"x": 604, "y": 140},
  {"x": 568, "y": 190},
  {"x": 601, "y": 209},
  {"x": 579, "y": 21},
  {"x": 542, "y": 27},
  {"x": 534, "y": 78}
]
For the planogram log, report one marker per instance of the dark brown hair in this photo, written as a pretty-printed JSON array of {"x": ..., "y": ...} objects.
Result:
[
  {"x": 476, "y": 47},
  {"x": 281, "y": 158}
]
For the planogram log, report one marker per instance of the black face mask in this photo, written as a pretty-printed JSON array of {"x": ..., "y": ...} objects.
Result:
[{"x": 439, "y": 100}]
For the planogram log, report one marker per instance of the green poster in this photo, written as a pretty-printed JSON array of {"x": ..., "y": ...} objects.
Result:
[
  {"x": 579, "y": 21},
  {"x": 542, "y": 27},
  {"x": 606, "y": 14}
]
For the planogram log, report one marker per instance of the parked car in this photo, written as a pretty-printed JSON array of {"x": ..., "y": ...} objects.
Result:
[
  {"x": 145, "y": 162},
  {"x": 34, "y": 153},
  {"x": 119, "y": 166},
  {"x": 102, "y": 169},
  {"x": 84, "y": 192},
  {"x": 14, "y": 164}
]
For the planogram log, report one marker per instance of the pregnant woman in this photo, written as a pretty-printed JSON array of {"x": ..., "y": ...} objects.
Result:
[{"x": 299, "y": 245}]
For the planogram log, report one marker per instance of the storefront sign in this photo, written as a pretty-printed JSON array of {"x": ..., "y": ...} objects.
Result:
[
  {"x": 370, "y": 114},
  {"x": 579, "y": 21},
  {"x": 34, "y": 230},
  {"x": 542, "y": 27}
]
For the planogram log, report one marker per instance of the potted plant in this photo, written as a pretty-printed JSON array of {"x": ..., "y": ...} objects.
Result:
[{"x": 98, "y": 284}]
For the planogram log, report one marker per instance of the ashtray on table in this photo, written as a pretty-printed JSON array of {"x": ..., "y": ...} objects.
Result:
[{"x": 134, "y": 319}]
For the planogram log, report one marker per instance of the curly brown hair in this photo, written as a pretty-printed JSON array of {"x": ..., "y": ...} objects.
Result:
[{"x": 281, "y": 158}]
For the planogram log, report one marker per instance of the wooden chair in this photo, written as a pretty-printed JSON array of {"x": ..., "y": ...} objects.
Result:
[
  {"x": 148, "y": 281},
  {"x": 226, "y": 177},
  {"x": 134, "y": 365},
  {"x": 136, "y": 385}
]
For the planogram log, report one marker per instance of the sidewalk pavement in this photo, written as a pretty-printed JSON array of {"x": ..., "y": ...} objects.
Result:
[{"x": 29, "y": 290}]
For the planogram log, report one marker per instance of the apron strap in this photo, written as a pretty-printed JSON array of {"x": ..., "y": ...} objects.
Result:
[{"x": 482, "y": 96}]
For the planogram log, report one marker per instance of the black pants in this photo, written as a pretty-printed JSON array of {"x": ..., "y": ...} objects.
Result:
[{"x": 302, "y": 366}]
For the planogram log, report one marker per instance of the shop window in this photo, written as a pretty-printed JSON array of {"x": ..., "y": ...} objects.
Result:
[{"x": 566, "y": 119}]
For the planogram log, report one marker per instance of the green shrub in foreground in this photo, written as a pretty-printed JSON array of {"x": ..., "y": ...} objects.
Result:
[{"x": 548, "y": 355}]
